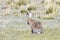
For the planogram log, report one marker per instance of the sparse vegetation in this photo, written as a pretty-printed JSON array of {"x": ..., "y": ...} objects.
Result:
[
  {"x": 15, "y": 14},
  {"x": 49, "y": 11},
  {"x": 8, "y": 2},
  {"x": 28, "y": 9},
  {"x": 5, "y": 14},
  {"x": 51, "y": 18},
  {"x": 17, "y": 5},
  {"x": 23, "y": 2},
  {"x": 31, "y": 8},
  {"x": 42, "y": 2},
  {"x": 58, "y": 3},
  {"x": 23, "y": 11},
  {"x": 38, "y": 17}
]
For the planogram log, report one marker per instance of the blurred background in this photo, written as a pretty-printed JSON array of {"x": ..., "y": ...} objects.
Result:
[
  {"x": 13, "y": 12},
  {"x": 13, "y": 17}
]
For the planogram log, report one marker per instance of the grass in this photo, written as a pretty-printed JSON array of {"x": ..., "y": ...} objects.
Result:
[
  {"x": 49, "y": 11},
  {"x": 23, "y": 2},
  {"x": 5, "y": 14},
  {"x": 14, "y": 34},
  {"x": 15, "y": 14},
  {"x": 23, "y": 11},
  {"x": 58, "y": 3},
  {"x": 31, "y": 8},
  {"x": 49, "y": 18}
]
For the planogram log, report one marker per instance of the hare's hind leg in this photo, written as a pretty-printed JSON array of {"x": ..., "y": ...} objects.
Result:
[
  {"x": 32, "y": 31},
  {"x": 37, "y": 31}
]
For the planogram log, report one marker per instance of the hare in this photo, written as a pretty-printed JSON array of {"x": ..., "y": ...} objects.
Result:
[{"x": 36, "y": 26}]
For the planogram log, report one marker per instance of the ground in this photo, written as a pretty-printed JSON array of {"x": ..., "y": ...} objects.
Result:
[{"x": 14, "y": 34}]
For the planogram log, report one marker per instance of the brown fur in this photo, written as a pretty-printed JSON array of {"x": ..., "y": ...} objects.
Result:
[{"x": 34, "y": 24}]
